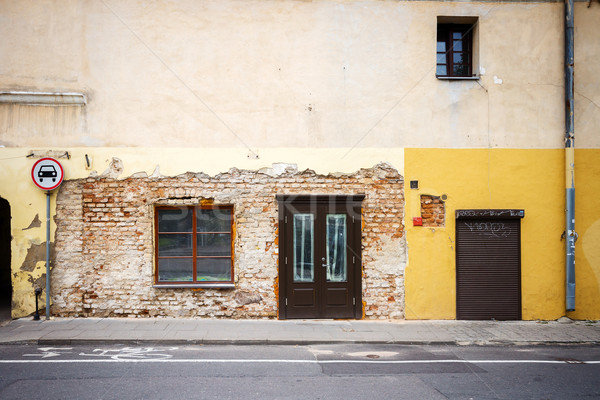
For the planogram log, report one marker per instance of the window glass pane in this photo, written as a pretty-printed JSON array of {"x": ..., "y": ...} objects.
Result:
[
  {"x": 213, "y": 244},
  {"x": 175, "y": 220},
  {"x": 213, "y": 269},
  {"x": 214, "y": 220},
  {"x": 460, "y": 58},
  {"x": 441, "y": 58},
  {"x": 457, "y": 35},
  {"x": 336, "y": 248},
  {"x": 461, "y": 70},
  {"x": 441, "y": 70},
  {"x": 175, "y": 269},
  {"x": 303, "y": 248},
  {"x": 175, "y": 245},
  {"x": 458, "y": 45},
  {"x": 441, "y": 46}
]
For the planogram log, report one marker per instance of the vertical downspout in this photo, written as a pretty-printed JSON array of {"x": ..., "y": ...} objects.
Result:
[{"x": 570, "y": 234}]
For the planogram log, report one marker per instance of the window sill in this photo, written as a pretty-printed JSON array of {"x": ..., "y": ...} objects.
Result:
[
  {"x": 458, "y": 78},
  {"x": 194, "y": 286}
]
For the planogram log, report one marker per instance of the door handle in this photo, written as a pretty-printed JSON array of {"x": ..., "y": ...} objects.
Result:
[{"x": 324, "y": 265}]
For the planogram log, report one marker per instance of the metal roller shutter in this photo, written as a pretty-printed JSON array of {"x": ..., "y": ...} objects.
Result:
[{"x": 488, "y": 269}]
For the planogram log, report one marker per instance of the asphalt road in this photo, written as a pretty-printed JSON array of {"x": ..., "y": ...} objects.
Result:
[{"x": 299, "y": 372}]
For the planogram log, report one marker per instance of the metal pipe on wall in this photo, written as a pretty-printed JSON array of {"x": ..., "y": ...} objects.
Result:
[{"x": 570, "y": 234}]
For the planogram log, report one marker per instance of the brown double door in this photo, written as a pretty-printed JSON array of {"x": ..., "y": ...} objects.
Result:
[{"x": 320, "y": 257}]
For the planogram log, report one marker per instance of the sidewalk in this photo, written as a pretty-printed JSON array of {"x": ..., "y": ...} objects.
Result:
[{"x": 213, "y": 331}]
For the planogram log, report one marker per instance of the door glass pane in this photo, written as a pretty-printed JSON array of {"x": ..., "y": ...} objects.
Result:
[
  {"x": 336, "y": 248},
  {"x": 304, "y": 265}
]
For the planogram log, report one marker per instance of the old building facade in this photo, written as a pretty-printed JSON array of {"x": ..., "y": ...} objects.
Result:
[{"x": 286, "y": 159}]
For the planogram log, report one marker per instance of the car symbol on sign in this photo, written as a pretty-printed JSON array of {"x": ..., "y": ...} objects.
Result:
[{"x": 47, "y": 171}]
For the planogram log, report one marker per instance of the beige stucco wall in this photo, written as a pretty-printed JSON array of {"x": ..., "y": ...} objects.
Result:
[
  {"x": 587, "y": 79},
  {"x": 289, "y": 74}
]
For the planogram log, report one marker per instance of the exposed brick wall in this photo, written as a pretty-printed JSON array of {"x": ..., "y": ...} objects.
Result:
[
  {"x": 433, "y": 211},
  {"x": 104, "y": 242}
]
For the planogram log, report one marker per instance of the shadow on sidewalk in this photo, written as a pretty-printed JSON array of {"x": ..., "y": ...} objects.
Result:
[{"x": 5, "y": 316}]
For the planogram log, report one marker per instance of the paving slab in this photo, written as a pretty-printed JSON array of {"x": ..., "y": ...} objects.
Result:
[{"x": 221, "y": 331}]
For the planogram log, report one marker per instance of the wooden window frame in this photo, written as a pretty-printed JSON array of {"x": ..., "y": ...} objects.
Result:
[
  {"x": 445, "y": 31},
  {"x": 194, "y": 232}
]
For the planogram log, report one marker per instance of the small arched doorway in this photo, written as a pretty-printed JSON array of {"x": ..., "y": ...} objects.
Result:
[{"x": 5, "y": 258}]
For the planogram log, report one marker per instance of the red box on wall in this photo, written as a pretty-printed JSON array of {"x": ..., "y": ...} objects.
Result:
[{"x": 417, "y": 221}]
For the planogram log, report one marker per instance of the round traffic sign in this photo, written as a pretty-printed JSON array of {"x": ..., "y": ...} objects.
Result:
[{"x": 47, "y": 174}]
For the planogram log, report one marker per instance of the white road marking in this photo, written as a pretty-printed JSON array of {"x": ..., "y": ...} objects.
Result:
[
  {"x": 275, "y": 361},
  {"x": 47, "y": 352},
  {"x": 139, "y": 353}
]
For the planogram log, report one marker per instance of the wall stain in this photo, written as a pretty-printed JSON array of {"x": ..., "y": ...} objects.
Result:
[
  {"x": 36, "y": 223},
  {"x": 35, "y": 254},
  {"x": 39, "y": 282}
]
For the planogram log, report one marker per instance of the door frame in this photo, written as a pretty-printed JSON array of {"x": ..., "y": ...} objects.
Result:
[{"x": 353, "y": 206}]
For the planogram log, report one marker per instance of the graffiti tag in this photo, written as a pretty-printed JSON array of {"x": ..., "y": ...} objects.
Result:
[{"x": 496, "y": 229}]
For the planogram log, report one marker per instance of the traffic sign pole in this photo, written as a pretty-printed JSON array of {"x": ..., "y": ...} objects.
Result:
[
  {"x": 48, "y": 255},
  {"x": 47, "y": 174}
]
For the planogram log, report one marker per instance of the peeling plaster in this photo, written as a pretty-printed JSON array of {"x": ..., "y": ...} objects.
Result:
[
  {"x": 115, "y": 168},
  {"x": 390, "y": 259},
  {"x": 279, "y": 169},
  {"x": 36, "y": 223},
  {"x": 36, "y": 253},
  {"x": 156, "y": 173}
]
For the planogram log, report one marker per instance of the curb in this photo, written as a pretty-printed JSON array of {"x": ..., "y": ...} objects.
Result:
[{"x": 288, "y": 342}]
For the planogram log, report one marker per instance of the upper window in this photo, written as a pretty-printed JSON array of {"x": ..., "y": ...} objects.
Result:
[
  {"x": 194, "y": 245},
  {"x": 454, "y": 50}
]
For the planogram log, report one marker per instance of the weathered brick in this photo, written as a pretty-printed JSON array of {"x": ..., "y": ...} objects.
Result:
[
  {"x": 108, "y": 251},
  {"x": 432, "y": 211}
]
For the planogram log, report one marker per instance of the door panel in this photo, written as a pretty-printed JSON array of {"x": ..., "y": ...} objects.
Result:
[
  {"x": 303, "y": 297},
  {"x": 320, "y": 260},
  {"x": 337, "y": 296}
]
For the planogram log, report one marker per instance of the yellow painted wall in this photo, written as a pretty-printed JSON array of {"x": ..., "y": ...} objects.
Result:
[
  {"x": 587, "y": 225},
  {"x": 532, "y": 180}
]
